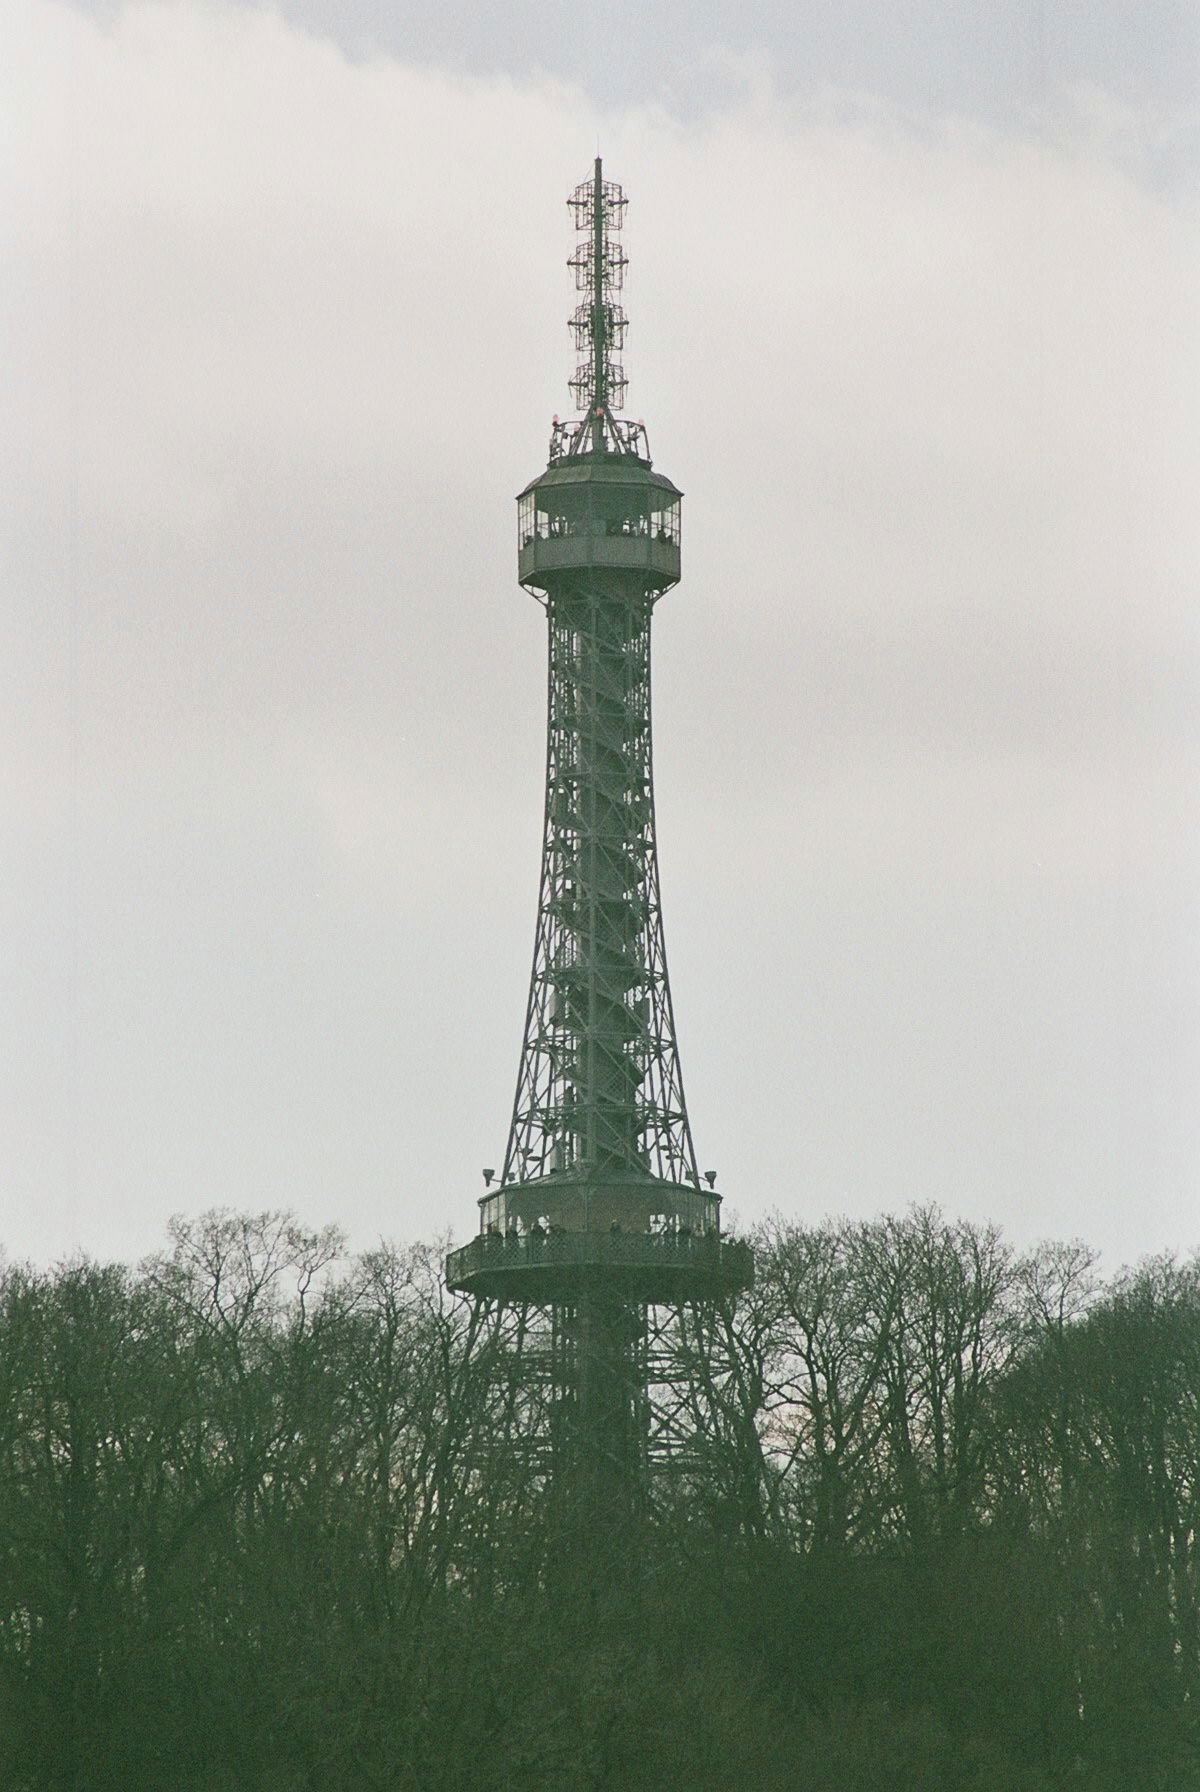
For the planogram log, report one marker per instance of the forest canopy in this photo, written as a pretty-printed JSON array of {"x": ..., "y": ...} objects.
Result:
[{"x": 266, "y": 1521}]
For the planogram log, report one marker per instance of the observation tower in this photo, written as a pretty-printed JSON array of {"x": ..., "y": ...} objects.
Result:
[{"x": 599, "y": 1227}]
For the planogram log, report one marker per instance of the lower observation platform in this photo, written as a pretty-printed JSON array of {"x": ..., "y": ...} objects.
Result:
[{"x": 661, "y": 1268}]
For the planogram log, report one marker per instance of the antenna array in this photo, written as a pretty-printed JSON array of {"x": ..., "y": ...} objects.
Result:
[{"x": 598, "y": 324}]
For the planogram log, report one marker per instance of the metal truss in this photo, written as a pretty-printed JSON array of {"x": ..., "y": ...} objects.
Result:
[
  {"x": 606, "y": 1410},
  {"x": 599, "y": 1088}
]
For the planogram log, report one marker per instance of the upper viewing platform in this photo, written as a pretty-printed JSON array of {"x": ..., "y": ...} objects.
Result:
[{"x": 596, "y": 512}]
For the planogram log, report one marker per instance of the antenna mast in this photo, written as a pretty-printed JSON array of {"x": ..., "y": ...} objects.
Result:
[{"x": 598, "y": 325}]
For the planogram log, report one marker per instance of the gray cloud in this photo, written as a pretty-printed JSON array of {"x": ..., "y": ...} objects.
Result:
[{"x": 972, "y": 58}]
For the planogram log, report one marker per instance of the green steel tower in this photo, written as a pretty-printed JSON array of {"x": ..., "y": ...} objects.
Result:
[{"x": 599, "y": 1221}]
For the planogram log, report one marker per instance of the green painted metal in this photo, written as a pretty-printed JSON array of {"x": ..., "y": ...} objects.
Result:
[
  {"x": 600, "y": 1213},
  {"x": 664, "y": 1267}
]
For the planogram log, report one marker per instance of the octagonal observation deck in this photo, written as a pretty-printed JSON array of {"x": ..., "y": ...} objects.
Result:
[
  {"x": 599, "y": 513},
  {"x": 639, "y": 1237},
  {"x": 662, "y": 1269}
]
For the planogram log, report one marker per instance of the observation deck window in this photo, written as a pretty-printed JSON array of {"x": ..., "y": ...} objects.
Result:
[
  {"x": 666, "y": 1212},
  {"x": 607, "y": 513},
  {"x": 664, "y": 522}
]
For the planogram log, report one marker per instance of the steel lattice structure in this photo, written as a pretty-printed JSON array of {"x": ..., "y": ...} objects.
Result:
[
  {"x": 599, "y": 1084},
  {"x": 600, "y": 1229}
]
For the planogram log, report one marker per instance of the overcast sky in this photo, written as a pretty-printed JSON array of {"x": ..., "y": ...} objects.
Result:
[{"x": 913, "y": 299}]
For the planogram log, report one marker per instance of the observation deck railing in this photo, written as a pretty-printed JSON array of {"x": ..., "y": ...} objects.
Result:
[
  {"x": 655, "y": 1266},
  {"x": 570, "y": 552}
]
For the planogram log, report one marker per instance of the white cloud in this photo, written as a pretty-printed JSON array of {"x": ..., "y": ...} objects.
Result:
[{"x": 287, "y": 339}]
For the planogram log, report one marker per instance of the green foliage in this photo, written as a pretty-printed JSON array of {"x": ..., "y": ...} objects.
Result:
[{"x": 266, "y": 1522}]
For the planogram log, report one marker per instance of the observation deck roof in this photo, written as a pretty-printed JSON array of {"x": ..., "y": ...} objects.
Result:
[{"x": 601, "y": 469}]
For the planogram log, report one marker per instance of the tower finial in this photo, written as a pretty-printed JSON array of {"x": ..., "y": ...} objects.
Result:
[{"x": 598, "y": 325}]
